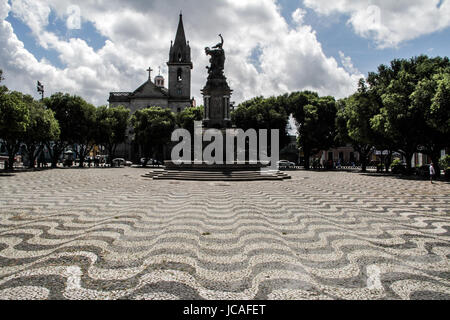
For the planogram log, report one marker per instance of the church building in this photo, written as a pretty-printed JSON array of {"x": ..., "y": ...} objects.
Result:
[{"x": 153, "y": 93}]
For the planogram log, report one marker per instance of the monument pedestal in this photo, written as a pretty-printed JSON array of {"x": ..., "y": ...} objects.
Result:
[{"x": 216, "y": 100}]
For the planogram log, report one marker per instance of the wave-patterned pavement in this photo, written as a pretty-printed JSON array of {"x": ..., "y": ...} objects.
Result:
[{"x": 111, "y": 234}]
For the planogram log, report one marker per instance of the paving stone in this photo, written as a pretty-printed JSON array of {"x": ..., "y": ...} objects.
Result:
[{"x": 112, "y": 234}]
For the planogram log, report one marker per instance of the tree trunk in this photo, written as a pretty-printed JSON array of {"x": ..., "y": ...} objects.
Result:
[
  {"x": 84, "y": 151},
  {"x": 31, "y": 150},
  {"x": 55, "y": 153},
  {"x": 363, "y": 162},
  {"x": 111, "y": 153},
  {"x": 382, "y": 161},
  {"x": 363, "y": 156},
  {"x": 388, "y": 161},
  {"x": 12, "y": 149},
  {"x": 10, "y": 162},
  {"x": 306, "y": 154},
  {"x": 145, "y": 154},
  {"x": 408, "y": 156}
]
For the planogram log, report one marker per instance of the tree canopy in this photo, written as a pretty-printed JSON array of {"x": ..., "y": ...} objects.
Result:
[
  {"x": 353, "y": 122},
  {"x": 262, "y": 113},
  {"x": 152, "y": 129},
  {"x": 406, "y": 91},
  {"x": 315, "y": 118},
  {"x": 43, "y": 128},
  {"x": 112, "y": 124},
  {"x": 185, "y": 119},
  {"x": 76, "y": 119},
  {"x": 14, "y": 121}
]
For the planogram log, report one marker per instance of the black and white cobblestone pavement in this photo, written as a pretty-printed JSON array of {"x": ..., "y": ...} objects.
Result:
[{"x": 111, "y": 234}]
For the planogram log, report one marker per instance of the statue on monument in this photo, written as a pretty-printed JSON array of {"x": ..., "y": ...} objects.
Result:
[
  {"x": 216, "y": 93},
  {"x": 217, "y": 60}
]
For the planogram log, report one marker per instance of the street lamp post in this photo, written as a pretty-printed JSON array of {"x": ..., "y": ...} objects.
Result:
[{"x": 40, "y": 89}]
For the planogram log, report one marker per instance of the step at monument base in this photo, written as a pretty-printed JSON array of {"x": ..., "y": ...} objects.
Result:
[{"x": 225, "y": 172}]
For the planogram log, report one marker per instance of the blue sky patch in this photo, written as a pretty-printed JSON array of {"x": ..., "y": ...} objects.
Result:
[{"x": 58, "y": 26}]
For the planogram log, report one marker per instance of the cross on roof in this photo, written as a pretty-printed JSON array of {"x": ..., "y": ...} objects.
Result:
[{"x": 149, "y": 73}]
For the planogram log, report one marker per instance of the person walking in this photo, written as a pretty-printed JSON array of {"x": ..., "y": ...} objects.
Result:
[{"x": 432, "y": 173}]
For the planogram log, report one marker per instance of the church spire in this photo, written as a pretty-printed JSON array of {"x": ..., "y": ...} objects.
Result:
[
  {"x": 180, "y": 38},
  {"x": 180, "y": 52},
  {"x": 180, "y": 65}
]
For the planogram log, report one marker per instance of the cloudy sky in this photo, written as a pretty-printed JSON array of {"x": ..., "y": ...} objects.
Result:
[{"x": 90, "y": 48}]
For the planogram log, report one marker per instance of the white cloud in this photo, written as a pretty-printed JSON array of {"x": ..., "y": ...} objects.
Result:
[
  {"x": 348, "y": 64},
  {"x": 298, "y": 15},
  {"x": 389, "y": 23},
  {"x": 139, "y": 34}
]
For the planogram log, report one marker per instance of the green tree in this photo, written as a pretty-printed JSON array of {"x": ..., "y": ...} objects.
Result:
[
  {"x": 42, "y": 128},
  {"x": 152, "y": 129},
  {"x": 185, "y": 119},
  {"x": 86, "y": 129},
  {"x": 261, "y": 113},
  {"x": 353, "y": 123},
  {"x": 76, "y": 119},
  {"x": 317, "y": 130},
  {"x": 440, "y": 107},
  {"x": 315, "y": 119},
  {"x": 297, "y": 101},
  {"x": 403, "y": 90},
  {"x": 14, "y": 121},
  {"x": 112, "y": 124},
  {"x": 431, "y": 99}
]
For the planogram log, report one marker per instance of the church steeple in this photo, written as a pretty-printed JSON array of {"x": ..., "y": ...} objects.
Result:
[
  {"x": 180, "y": 52},
  {"x": 180, "y": 66}
]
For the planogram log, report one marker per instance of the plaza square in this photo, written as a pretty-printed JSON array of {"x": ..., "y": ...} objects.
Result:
[{"x": 113, "y": 234}]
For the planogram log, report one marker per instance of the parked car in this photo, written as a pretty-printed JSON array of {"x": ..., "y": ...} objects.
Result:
[
  {"x": 284, "y": 164},
  {"x": 118, "y": 162},
  {"x": 150, "y": 162},
  {"x": 398, "y": 167},
  {"x": 68, "y": 162}
]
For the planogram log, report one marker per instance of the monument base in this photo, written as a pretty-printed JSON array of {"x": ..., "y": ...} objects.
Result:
[{"x": 216, "y": 172}]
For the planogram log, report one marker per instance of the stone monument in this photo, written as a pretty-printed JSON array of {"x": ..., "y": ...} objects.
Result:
[
  {"x": 216, "y": 97},
  {"x": 216, "y": 93}
]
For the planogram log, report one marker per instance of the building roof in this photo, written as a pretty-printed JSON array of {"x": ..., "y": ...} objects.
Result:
[{"x": 149, "y": 90}]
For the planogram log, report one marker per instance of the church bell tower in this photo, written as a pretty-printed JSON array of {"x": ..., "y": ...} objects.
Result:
[{"x": 180, "y": 66}]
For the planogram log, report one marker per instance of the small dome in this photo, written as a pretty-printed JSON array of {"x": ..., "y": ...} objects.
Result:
[{"x": 159, "y": 81}]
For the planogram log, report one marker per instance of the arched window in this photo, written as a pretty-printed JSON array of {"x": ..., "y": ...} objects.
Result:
[
  {"x": 179, "y": 73},
  {"x": 179, "y": 57}
]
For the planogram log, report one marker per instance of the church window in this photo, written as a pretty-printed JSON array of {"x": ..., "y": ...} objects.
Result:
[
  {"x": 179, "y": 57},
  {"x": 179, "y": 75},
  {"x": 179, "y": 91}
]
